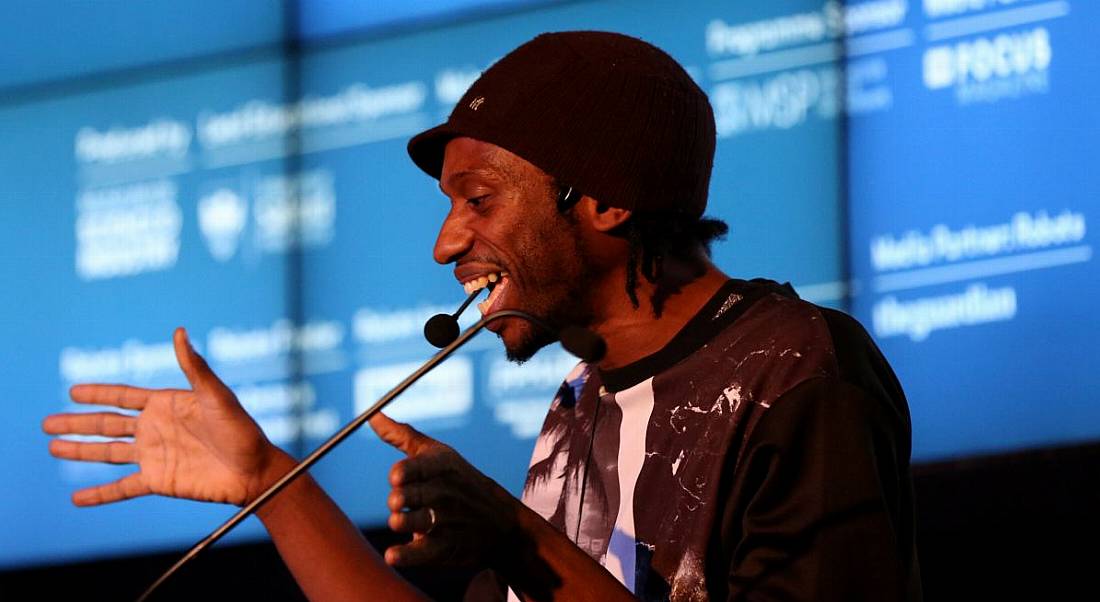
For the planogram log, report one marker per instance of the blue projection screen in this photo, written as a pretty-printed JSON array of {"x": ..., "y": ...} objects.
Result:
[
  {"x": 969, "y": 203},
  {"x": 921, "y": 164}
]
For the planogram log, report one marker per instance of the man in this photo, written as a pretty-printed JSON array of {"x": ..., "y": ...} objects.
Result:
[{"x": 734, "y": 442}]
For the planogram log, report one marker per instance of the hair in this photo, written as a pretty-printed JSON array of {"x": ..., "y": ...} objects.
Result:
[{"x": 653, "y": 236}]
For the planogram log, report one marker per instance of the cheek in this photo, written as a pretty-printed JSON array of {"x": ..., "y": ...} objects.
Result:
[{"x": 551, "y": 252}]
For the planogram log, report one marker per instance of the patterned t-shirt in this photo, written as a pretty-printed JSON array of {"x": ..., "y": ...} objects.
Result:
[{"x": 764, "y": 451}]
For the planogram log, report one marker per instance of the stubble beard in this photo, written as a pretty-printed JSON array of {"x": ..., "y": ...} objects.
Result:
[{"x": 560, "y": 300}]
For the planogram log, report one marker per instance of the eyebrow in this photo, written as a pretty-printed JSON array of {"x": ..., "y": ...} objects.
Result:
[{"x": 483, "y": 172}]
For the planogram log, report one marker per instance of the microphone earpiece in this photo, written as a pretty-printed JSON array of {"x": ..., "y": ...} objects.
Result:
[{"x": 567, "y": 197}]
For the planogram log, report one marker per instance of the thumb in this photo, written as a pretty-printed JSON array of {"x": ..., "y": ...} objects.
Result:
[
  {"x": 194, "y": 367},
  {"x": 399, "y": 434}
]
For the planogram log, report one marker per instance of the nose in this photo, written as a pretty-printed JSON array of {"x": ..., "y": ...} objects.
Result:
[{"x": 455, "y": 237}]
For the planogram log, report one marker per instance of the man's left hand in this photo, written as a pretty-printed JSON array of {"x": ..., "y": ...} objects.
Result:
[{"x": 457, "y": 515}]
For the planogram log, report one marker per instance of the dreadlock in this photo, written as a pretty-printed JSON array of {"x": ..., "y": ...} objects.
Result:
[{"x": 655, "y": 236}]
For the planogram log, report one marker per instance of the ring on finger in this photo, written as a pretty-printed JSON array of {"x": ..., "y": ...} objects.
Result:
[{"x": 431, "y": 520}]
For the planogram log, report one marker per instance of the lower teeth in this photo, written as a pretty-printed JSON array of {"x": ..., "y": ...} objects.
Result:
[{"x": 488, "y": 302}]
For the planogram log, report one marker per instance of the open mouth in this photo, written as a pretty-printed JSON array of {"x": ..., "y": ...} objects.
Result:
[{"x": 496, "y": 282}]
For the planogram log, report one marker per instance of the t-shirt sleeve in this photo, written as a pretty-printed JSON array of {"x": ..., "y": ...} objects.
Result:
[{"x": 820, "y": 504}]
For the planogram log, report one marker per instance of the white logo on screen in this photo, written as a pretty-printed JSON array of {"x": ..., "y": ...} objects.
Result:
[
  {"x": 981, "y": 59},
  {"x": 127, "y": 230},
  {"x": 222, "y": 216},
  {"x": 946, "y": 8},
  {"x": 295, "y": 210}
]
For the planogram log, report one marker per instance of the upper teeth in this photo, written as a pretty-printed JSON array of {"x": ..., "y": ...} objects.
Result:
[{"x": 481, "y": 282}]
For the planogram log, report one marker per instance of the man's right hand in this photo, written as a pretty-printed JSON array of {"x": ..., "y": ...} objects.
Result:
[{"x": 198, "y": 444}]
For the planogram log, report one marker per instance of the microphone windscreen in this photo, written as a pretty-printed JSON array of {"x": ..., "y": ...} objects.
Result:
[
  {"x": 441, "y": 330},
  {"x": 583, "y": 343}
]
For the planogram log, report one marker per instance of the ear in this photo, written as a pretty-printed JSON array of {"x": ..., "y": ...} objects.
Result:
[{"x": 601, "y": 217}]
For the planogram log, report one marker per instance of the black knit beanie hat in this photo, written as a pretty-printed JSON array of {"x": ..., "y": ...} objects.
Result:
[{"x": 610, "y": 115}]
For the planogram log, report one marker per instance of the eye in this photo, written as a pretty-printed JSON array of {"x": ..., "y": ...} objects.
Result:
[{"x": 477, "y": 200}]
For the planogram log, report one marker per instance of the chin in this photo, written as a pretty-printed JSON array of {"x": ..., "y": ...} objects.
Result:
[{"x": 522, "y": 341}]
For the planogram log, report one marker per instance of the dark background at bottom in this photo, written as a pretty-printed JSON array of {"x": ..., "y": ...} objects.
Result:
[{"x": 1015, "y": 527}]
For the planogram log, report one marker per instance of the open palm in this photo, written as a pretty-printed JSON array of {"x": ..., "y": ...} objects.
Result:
[{"x": 198, "y": 444}]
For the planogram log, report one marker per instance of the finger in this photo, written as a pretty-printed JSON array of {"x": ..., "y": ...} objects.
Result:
[
  {"x": 194, "y": 367},
  {"x": 414, "y": 521},
  {"x": 121, "y": 396},
  {"x": 413, "y": 495},
  {"x": 416, "y": 469},
  {"x": 399, "y": 434},
  {"x": 127, "y": 487},
  {"x": 107, "y": 424},
  {"x": 422, "y": 550},
  {"x": 114, "y": 452}
]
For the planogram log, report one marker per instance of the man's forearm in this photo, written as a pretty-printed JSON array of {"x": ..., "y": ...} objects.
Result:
[
  {"x": 327, "y": 554},
  {"x": 548, "y": 566}
]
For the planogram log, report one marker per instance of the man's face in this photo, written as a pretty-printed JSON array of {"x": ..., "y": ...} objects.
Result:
[{"x": 504, "y": 226}]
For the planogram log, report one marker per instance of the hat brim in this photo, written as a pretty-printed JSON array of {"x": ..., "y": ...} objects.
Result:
[{"x": 426, "y": 148}]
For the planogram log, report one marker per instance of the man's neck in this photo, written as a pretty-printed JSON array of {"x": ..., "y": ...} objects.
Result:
[{"x": 634, "y": 333}]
